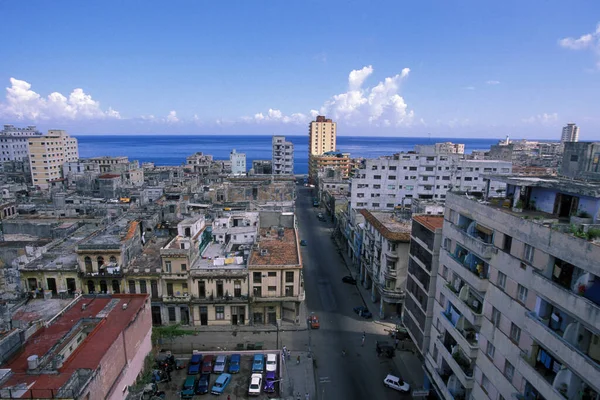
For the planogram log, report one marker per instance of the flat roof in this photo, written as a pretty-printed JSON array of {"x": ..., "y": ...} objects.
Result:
[
  {"x": 567, "y": 185},
  {"x": 280, "y": 250},
  {"x": 431, "y": 222},
  {"x": 112, "y": 320},
  {"x": 388, "y": 225}
]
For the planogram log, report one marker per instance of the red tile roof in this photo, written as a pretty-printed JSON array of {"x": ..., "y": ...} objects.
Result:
[{"x": 431, "y": 222}]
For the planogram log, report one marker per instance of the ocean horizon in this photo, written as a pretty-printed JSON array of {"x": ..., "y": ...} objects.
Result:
[{"x": 173, "y": 149}]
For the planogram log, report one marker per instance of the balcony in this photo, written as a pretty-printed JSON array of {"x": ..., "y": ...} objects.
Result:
[
  {"x": 115, "y": 273},
  {"x": 185, "y": 298},
  {"x": 579, "y": 362},
  {"x": 477, "y": 275},
  {"x": 211, "y": 299},
  {"x": 266, "y": 299},
  {"x": 473, "y": 242},
  {"x": 440, "y": 379},
  {"x": 540, "y": 378},
  {"x": 390, "y": 295},
  {"x": 578, "y": 305},
  {"x": 470, "y": 307},
  {"x": 390, "y": 273},
  {"x": 458, "y": 362},
  {"x": 466, "y": 337}
]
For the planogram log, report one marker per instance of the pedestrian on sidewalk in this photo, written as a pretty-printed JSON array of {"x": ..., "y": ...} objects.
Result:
[
  {"x": 307, "y": 396},
  {"x": 396, "y": 343},
  {"x": 289, "y": 354},
  {"x": 298, "y": 360},
  {"x": 363, "y": 339}
]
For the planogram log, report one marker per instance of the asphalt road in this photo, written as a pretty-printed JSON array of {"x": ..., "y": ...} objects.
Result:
[{"x": 358, "y": 375}]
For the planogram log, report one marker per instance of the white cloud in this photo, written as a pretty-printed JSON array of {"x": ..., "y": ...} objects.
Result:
[
  {"x": 172, "y": 117},
  {"x": 24, "y": 103},
  {"x": 492, "y": 82},
  {"x": 587, "y": 41},
  {"x": 469, "y": 88},
  {"x": 543, "y": 119},
  {"x": 274, "y": 115},
  {"x": 357, "y": 77}
]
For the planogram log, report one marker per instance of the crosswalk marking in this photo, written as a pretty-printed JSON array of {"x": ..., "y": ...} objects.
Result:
[{"x": 324, "y": 379}]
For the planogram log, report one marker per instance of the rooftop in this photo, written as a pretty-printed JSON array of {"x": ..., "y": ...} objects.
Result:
[
  {"x": 389, "y": 225},
  {"x": 104, "y": 317},
  {"x": 223, "y": 257},
  {"x": 121, "y": 230},
  {"x": 149, "y": 261},
  {"x": 275, "y": 249},
  {"x": 431, "y": 222},
  {"x": 591, "y": 189}
]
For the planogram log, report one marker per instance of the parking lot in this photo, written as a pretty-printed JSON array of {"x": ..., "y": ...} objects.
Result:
[{"x": 237, "y": 388}]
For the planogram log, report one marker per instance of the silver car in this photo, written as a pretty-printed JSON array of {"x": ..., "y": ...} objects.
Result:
[{"x": 220, "y": 363}]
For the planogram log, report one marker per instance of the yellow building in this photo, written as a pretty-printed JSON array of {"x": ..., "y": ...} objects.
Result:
[
  {"x": 321, "y": 136},
  {"x": 48, "y": 153},
  {"x": 332, "y": 159}
]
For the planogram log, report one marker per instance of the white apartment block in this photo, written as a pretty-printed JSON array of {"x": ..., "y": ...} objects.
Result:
[
  {"x": 283, "y": 156},
  {"x": 387, "y": 182},
  {"x": 48, "y": 153},
  {"x": 238, "y": 162},
  {"x": 517, "y": 304},
  {"x": 13, "y": 142},
  {"x": 570, "y": 133}
]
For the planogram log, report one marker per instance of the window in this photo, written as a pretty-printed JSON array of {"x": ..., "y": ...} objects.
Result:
[
  {"x": 132, "y": 287},
  {"x": 507, "y": 243},
  {"x": 375, "y": 204},
  {"x": 522, "y": 294},
  {"x": 376, "y": 176},
  {"x": 485, "y": 383},
  {"x": 376, "y": 186},
  {"x": 169, "y": 289},
  {"x": 172, "y": 317},
  {"x": 435, "y": 352},
  {"x": 528, "y": 253},
  {"x": 509, "y": 370},
  {"x": 272, "y": 273},
  {"x": 184, "y": 287},
  {"x": 392, "y": 177},
  {"x": 444, "y": 271},
  {"x": 271, "y": 288},
  {"x": 256, "y": 277},
  {"x": 184, "y": 267},
  {"x": 360, "y": 195},
  {"x": 501, "y": 281},
  {"x": 289, "y": 276},
  {"x": 220, "y": 312},
  {"x": 391, "y": 187},
  {"x": 515, "y": 333},
  {"x": 496, "y": 317},
  {"x": 389, "y": 205},
  {"x": 442, "y": 300},
  {"x": 490, "y": 350},
  {"x": 392, "y": 168},
  {"x": 143, "y": 288},
  {"x": 168, "y": 266},
  {"x": 574, "y": 157}
]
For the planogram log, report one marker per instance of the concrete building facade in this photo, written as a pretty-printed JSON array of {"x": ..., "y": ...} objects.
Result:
[
  {"x": 238, "y": 162},
  {"x": 581, "y": 160},
  {"x": 330, "y": 160},
  {"x": 570, "y": 133},
  {"x": 48, "y": 153},
  {"x": 517, "y": 305},
  {"x": 322, "y": 138},
  {"x": 283, "y": 156},
  {"x": 14, "y": 142}
]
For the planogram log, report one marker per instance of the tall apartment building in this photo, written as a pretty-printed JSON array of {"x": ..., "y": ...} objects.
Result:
[
  {"x": 322, "y": 136},
  {"x": 331, "y": 160},
  {"x": 48, "y": 153},
  {"x": 570, "y": 133},
  {"x": 238, "y": 162},
  {"x": 517, "y": 305},
  {"x": 581, "y": 160},
  {"x": 283, "y": 156},
  {"x": 391, "y": 181},
  {"x": 423, "y": 261},
  {"x": 13, "y": 142}
]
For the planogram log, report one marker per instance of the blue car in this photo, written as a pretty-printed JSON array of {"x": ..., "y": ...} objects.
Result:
[
  {"x": 194, "y": 365},
  {"x": 258, "y": 363},
  {"x": 203, "y": 384},
  {"x": 220, "y": 384},
  {"x": 363, "y": 312},
  {"x": 234, "y": 363},
  {"x": 188, "y": 388}
]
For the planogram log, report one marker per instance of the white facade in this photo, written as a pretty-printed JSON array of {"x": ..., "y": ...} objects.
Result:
[
  {"x": 570, "y": 133},
  {"x": 387, "y": 182},
  {"x": 238, "y": 162},
  {"x": 13, "y": 142},
  {"x": 283, "y": 156}
]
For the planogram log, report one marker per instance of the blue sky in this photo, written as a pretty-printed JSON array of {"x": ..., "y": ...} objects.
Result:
[{"x": 445, "y": 68}]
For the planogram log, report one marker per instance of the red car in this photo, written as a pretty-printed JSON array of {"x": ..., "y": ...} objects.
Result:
[
  {"x": 314, "y": 322},
  {"x": 207, "y": 364}
]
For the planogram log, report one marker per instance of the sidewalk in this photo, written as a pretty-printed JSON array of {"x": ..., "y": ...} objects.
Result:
[
  {"x": 298, "y": 378},
  {"x": 409, "y": 365}
]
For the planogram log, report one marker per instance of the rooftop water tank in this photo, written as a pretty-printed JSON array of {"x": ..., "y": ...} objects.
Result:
[{"x": 32, "y": 362}]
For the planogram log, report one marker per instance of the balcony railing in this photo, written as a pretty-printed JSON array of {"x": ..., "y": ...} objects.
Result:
[
  {"x": 466, "y": 306},
  {"x": 485, "y": 250},
  {"x": 468, "y": 335},
  {"x": 460, "y": 364}
]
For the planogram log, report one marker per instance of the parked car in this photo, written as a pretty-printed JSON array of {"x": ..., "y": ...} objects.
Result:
[
  {"x": 362, "y": 311},
  {"x": 187, "y": 392},
  {"x": 269, "y": 384},
  {"x": 220, "y": 384},
  {"x": 207, "y": 364},
  {"x": 220, "y": 363},
  {"x": 203, "y": 384},
  {"x": 349, "y": 279},
  {"x": 258, "y": 363},
  {"x": 385, "y": 349},
  {"x": 255, "y": 385},
  {"x": 194, "y": 366},
  {"x": 180, "y": 363},
  {"x": 234, "y": 363},
  {"x": 313, "y": 321},
  {"x": 396, "y": 383},
  {"x": 271, "y": 364}
]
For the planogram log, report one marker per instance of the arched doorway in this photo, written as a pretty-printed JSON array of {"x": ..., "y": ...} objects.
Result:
[
  {"x": 91, "y": 287},
  {"x": 115, "y": 286},
  {"x": 103, "y": 287},
  {"x": 113, "y": 260},
  {"x": 88, "y": 265},
  {"x": 100, "y": 261}
]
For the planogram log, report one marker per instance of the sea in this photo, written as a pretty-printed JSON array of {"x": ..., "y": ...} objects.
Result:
[{"x": 173, "y": 149}]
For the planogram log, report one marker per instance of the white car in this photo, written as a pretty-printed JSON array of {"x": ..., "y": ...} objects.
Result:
[
  {"x": 396, "y": 383},
  {"x": 255, "y": 385},
  {"x": 271, "y": 362}
]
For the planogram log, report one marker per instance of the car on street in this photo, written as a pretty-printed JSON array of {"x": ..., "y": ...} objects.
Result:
[
  {"x": 220, "y": 363},
  {"x": 363, "y": 312},
  {"x": 187, "y": 392},
  {"x": 271, "y": 364},
  {"x": 220, "y": 384},
  {"x": 313, "y": 321},
  {"x": 349, "y": 279},
  {"x": 180, "y": 363},
  {"x": 396, "y": 383},
  {"x": 207, "y": 364},
  {"x": 269, "y": 384},
  {"x": 194, "y": 365},
  {"x": 320, "y": 217},
  {"x": 303, "y": 242},
  {"x": 203, "y": 384},
  {"x": 255, "y": 385},
  {"x": 258, "y": 363},
  {"x": 234, "y": 363}
]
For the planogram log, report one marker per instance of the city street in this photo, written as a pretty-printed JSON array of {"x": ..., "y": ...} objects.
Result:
[{"x": 360, "y": 374}]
